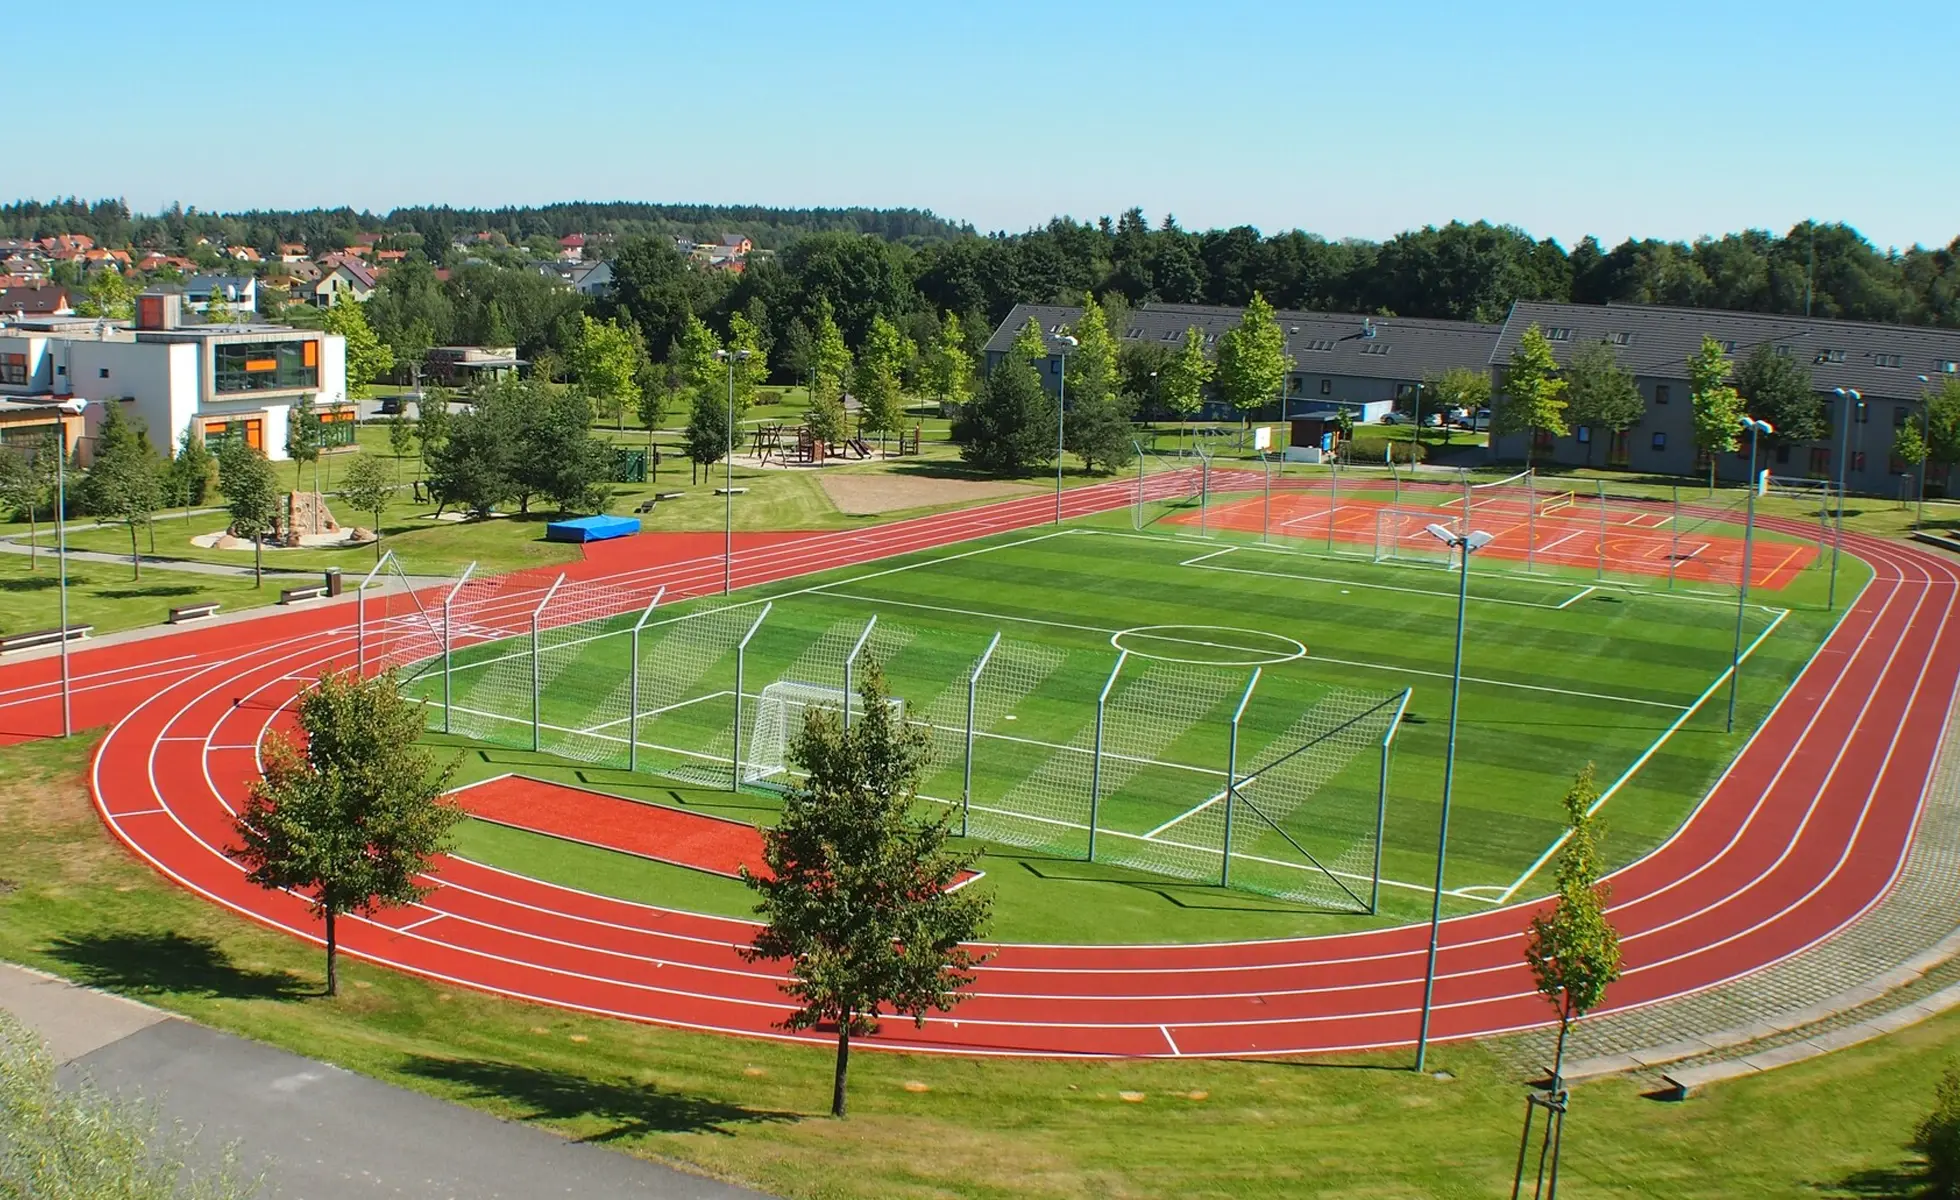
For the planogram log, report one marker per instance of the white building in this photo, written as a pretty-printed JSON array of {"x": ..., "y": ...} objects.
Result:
[{"x": 222, "y": 381}]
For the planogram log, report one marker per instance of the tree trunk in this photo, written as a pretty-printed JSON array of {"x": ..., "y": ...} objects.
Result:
[
  {"x": 33, "y": 536},
  {"x": 258, "y": 560},
  {"x": 1711, "y": 478},
  {"x": 1558, "y": 1057},
  {"x": 135, "y": 558},
  {"x": 333, "y": 976},
  {"x": 843, "y": 1065}
]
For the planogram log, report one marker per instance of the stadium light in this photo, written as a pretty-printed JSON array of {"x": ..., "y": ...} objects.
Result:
[
  {"x": 1926, "y": 448},
  {"x": 1465, "y": 544},
  {"x": 67, "y": 408},
  {"x": 1848, "y": 397},
  {"x": 728, "y": 492},
  {"x": 1755, "y": 429},
  {"x": 1067, "y": 344}
]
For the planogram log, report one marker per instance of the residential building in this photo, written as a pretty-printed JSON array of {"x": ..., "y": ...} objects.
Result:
[
  {"x": 243, "y": 253},
  {"x": 157, "y": 260},
  {"x": 220, "y": 381},
  {"x": 292, "y": 252},
  {"x": 22, "y": 265},
  {"x": 239, "y": 292},
  {"x": 27, "y": 424},
  {"x": 39, "y": 298},
  {"x": 572, "y": 247},
  {"x": 460, "y": 366},
  {"x": 1360, "y": 364},
  {"x": 736, "y": 245},
  {"x": 1883, "y": 363},
  {"x": 67, "y": 242},
  {"x": 341, "y": 276},
  {"x": 593, "y": 279}
]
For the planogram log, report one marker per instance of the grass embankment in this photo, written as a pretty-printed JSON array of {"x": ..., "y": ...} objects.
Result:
[{"x": 76, "y": 904}]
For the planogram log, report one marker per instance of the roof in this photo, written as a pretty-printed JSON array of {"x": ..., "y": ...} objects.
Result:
[
  {"x": 734, "y": 239},
  {"x": 236, "y": 284},
  {"x": 572, "y": 239},
  {"x": 1405, "y": 348},
  {"x": 35, "y": 299},
  {"x": 1653, "y": 340},
  {"x": 362, "y": 273}
]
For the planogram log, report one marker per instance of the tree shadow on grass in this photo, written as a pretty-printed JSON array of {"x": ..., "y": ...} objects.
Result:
[
  {"x": 1195, "y": 897},
  {"x": 630, "y": 1109},
  {"x": 158, "y": 963},
  {"x": 160, "y": 591},
  {"x": 37, "y": 583},
  {"x": 1904, "y": 1180}
]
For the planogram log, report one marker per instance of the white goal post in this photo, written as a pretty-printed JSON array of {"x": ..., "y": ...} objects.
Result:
[{"x": 780, "y": 710}]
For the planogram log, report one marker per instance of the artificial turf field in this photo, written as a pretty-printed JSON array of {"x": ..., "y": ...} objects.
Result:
[{"x": 1558, "y": 672}]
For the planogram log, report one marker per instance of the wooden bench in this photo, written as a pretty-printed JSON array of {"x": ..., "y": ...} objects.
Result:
[
  {"x": 193, "y": 612},
  {"x": 668, "y": 495},
  {"x": 646, "y": 506},
  {"x": 729, "y": 491},
  {"x": 42, "y": 637},
  {"x": 299, "y": 594}
]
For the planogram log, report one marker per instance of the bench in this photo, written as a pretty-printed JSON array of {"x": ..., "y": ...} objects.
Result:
[
  {"x": 668, "y": 495},
  {"x": 646, "y": 506},
  {"x": 729, "y": 491},
  {"x": 42, "y": 637},
  {"x": 299, "y": 594},
  {"x": 193, "y": 612}
]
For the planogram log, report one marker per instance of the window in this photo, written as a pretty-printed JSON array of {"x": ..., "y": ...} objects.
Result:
[
  {"x": 1326, "y": 387},
  {"x": 1857, "y": 460},
  {"x": 1617, "y": 452},
  {"x": 265, "y": 366},
  {"x": 1055, "y": 366},
  {"x": 1948, "y": 366},
  {"x": 1619, "y": 337},
  {"x": 1820, "y": 462},
  {"x": 1541, "y": 439},
  {"x": 337, "y": 428},
  {"x": 1583, "y": 435},
  {"x": 102, "y": 373},
  {"x": 1889, "y": 361},
  {"x": 1134, "y": 333},
  {"x": 1783, "y": 455},
  {"x": 13, "y": 369},
  {"x": 1897, "y": 466},
  {"x": 1899, "y": 415},
  {"x": 1376, "y": 348},
  {"x": 1660, "y": 441},
  {"x": 1727, "y": 345},
  {"x": 1661, "y": 393},
  {"x": 1405, "y": 391},
  {"x": 1783, "y": 351},
  {"x": 250, "y": 430},
  {"x": 1861, "y": 412},
  {"x": 62, "y": 369},
  {"x": 1830, "y": 356},
  {"x": 1558, "y": 333}
]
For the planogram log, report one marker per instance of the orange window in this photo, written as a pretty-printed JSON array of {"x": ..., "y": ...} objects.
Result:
[
  {"x": 261, "y": 364},
  {"x": 310, "y": 355},
  {"x": 255, "y": 434}
]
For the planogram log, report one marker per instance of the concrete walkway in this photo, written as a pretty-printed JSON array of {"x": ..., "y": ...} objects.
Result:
[{"x": 318, "y": 1131}]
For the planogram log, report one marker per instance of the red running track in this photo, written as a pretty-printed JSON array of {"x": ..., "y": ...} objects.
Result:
[{"x": 1805, "y": 832}]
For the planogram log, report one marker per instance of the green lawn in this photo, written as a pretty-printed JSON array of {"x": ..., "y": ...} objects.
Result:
[
  {"x": 928, "y": 1127},
  {"x": 1557, "y": 674},
  {"x": 104, "y": 595}
]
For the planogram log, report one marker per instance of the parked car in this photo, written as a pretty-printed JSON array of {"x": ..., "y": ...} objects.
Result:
[
  {"x": 1395, "y": 418},
  {"x": 1480, "y": 423}
]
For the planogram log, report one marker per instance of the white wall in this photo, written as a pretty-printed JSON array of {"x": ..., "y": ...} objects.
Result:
[
  {"x": 160, "y": 379},
  {"x": 333, "y": 371}
]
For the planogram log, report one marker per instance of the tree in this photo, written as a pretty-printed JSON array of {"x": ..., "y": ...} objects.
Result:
[
  {"x": 831, "y": 359},
  {"x": 1252, "y": 359},
  {"x": 1534, "y": 395},
  {"x": 350, "y": 819},
  {"x": 1601, "y": 394},
  {"x": 694, "y": 356},
  {"x": 876, "y": 379},
  {"x": 368, "y": 357},
  {"x": 401, "y": 436},
  {"x": 25, "y": 481},
  {"x": 1030, "y": 343},
  {"x": 187, "y": 477},
  {"x": 857, "y": 895},
  {"x": 557, "y": 457},
  {"x": 471, "y": 466},
  {"x": 606, "y": 362},
  {"x": 302, "y": 437},
  {"x": 1182, "y": 380},
  {"x": 368, "y": 485},
  {"x": 1459, "y": 387},
  {"x": 1777, "y": 388},
  {"x": 125, "y": 481},
  {"x": 431, "y": 421},
  {"x": 1717, "y": 407},
  {"x": 71, "y": 1139},
  {"x": 1572, "y": 949},
  {"x": 708, "y": 436},
  {"x": 1092, "y": 364},
  {"x": 949, "y": 368},
  {"x": 752, "y": 372},
  {"x": 650, "y": 407},
  {"x": 1938, "y": 1137},
  {"x": 109, "y": 295},
  {"x": 252, "y": 498},
  {"x": 1009, "y": 427},
  {"x": 217, "y": 308}
]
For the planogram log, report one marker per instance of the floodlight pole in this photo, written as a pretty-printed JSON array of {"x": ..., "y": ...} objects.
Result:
[
  {"x": 1925, "y": 449},
  {"x": 1847, "y": 397},
  {"x": 537, "y": 679},
  {"x": 1095, "y": 763},
  {"x": 741, "y": 663},
  {"x": 852, "y": 658},
  {"x": 1065, "y": 344},
  {"x": 972, "y": 694},
  {"x": 1232, "y": 779},
  {"x": 360, "y": 614},
  {"x": 1755, "y": 429},
  {"x": 728, "y": 491},
  {"x": 61, "y": 555},
  {"x": 449, "y": 640},
  {"x": 1465, "y": 544},
  {"x": 633, "y": 685}
]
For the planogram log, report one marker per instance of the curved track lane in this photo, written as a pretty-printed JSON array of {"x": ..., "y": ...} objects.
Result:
[{"x": 1805, "y": 831}]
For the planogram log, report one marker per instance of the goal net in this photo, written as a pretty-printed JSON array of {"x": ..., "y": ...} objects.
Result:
[{"x": 781, "y": 709}]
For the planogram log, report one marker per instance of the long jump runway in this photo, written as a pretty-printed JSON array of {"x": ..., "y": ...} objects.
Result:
[{"x": 1805, "y": 832}]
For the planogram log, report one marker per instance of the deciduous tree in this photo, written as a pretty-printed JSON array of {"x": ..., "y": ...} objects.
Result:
[
  {"x": 1030, "y": 343},
  {"x": 350, "y": 819},
  {"x": 875, "y": 382},
  {"x": 124, "y": 483},
  {"x": 1182, "y": 380},
  {"x": 27, "y": 477},
  {"x": 303, "y": 437},
  {"x": 1252, "y": 359},
  {"x": 1572, "y": 949},
  {"x": 708, "y": 436},
  {"x": 368, "y": 485},
  {"x": 831, "y": 358},
  {"x": 857, "y": 898},
  {"x": 1534, "y": 395},
  {"x": 252, "y": 498},
  {"x": 1777, "y": 388},
  {"x": 949, "y": 368},
  {"x": 368, "y": 357},
  {"x": 1601, "y": 394},
  {"x": 606, "y": 362},
  {"x": 1717, "y": 408}
]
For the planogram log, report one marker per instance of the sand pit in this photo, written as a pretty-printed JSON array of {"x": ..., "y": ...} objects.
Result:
[{"x": 864, "y": 494}]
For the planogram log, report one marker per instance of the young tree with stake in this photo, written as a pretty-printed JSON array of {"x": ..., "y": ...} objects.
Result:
[
  {"x": 1252, "y": 360},
  {"x": 351, "y": 819},
  {"x": 857, "y": 899},
  {"x": 252, "y": 498},
  {"x": 26, "y": 479},
  {"x": 1182, "y": 380},
  {"x": 1572, "y": 948},
  {"x": 1717, "y": 406},
  {"x": 124, "y": 483},
  {"x": 1534, "y": 395},
  {"x": 1601, "y": 394},
  {"x": 368, "y": 486}
]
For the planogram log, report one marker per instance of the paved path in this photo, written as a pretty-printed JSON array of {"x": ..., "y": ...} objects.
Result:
[
  {"x": 152, "y": 561},
  {"x": 319, "y": 1131}
]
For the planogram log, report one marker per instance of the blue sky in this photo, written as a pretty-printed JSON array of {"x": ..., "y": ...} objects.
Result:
[{"x": 1354, "y": 119}]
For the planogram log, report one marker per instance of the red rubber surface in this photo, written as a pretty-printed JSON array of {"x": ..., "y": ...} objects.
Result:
[
  {"x": 1805, "y": 831},
  {"x": 669, "y": 835}
]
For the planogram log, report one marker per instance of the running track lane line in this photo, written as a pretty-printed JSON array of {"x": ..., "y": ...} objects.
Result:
[{"x": 971, "y": 1028}]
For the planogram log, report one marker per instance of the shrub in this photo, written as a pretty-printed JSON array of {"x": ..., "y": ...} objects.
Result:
[{"x": 1938, "y": 1137}]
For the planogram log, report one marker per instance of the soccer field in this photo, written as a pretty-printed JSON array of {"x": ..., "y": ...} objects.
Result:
[{"x": 1167, "y": 638}]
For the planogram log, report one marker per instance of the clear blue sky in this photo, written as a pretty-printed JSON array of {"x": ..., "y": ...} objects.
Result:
[{"x": 1361, "y": 119}]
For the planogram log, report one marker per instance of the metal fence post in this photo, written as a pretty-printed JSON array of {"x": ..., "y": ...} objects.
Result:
[
  {"x": 1095, "y": 763},
  {"x": 851, "y": 658},
  {"x": 1136, "y": 509},
  {"x": 537, "y": 678},
  {"x": 1204, "y": 493},
  {"x": 1266, "y": 515},
  {"x": 360, "y": 613},
  {"x": 1531, "y": 522},
  {"x": 972, "y": 693},
  {"x": 741, "y": 666},
  {"x": 1381, "y": 802},
  {"x": 1232, "y": 780},
  {"x": 1674, "y": 545},
  {"x": 1333, "y": 502},
  {"x": 1599, "y": 486},
  {"x": 633, "y": 685},
  {"x": 449, "y": 641}
]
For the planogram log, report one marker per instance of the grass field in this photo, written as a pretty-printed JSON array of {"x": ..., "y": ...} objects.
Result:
[
  {"x": 1558, "y": 673},
  {"x": 74, "y": 903}
]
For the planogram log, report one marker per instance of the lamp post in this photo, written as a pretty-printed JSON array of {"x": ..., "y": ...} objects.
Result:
[
  {"x": 1067, "y": 344},
  {"x": 728, "y": 492},
  {"x": 1415, "y": 459},
  {"x": 1755, "y": 429},
  {"x": 67, "y": 408},
  {"x": 1849, "y": 397},
  {"x": 1465, "y": 544},
  {"x": 1925, "y": 448}
]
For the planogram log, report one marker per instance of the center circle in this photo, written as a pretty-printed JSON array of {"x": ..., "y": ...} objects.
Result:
[{"x": 1232, "y": 646}]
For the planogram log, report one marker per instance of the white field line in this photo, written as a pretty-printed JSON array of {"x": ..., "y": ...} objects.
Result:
[
  {"x": 1572, "y": 600},
  {"x": 1548, "y": 547},
  {"x": 1199, "y": 563},
  {"x": 1367, "y": 666},
  {"x": 1640, "y": 762}
]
